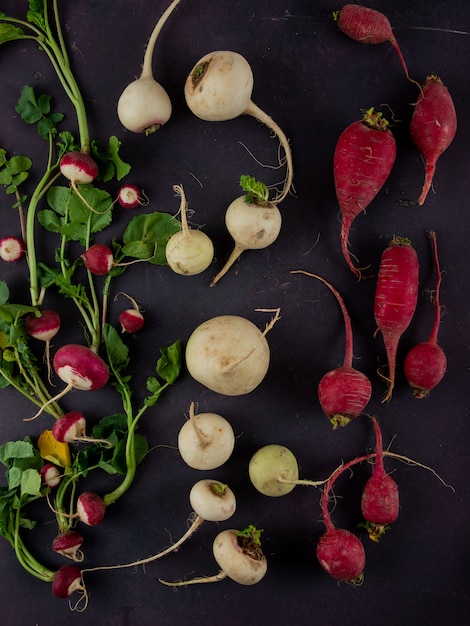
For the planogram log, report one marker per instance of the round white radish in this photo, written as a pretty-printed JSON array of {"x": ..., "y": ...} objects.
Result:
[
  {"x": 79, "y": 168},
  {"x": 206, "y": 441},
  {"x": 98, "y": 259},
  {"x": 90, "y": 508},
  {"x": 189, "y": 251},
  {"x": 239, "y": 557},
  {"x": 212, "y": 500},
  {"x": 228, "y": 354},
  {"x": 273, "y": 470},
  {"x": 144, "y": 105},
  {"x": 131, "y": 196},
  {"x": 80, "y": 367},
  {"x": 11, "y": 249}
]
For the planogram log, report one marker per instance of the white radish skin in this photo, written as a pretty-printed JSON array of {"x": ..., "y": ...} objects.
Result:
[
  {"x": 228, "y": 354},
  {"x": 212, "y": 500},
  {"x": 235, "y": 562},
  {"x": 270, "y": 466},
  {"x": 219, "y": 88},
  {"x": 206, "y": 441},
  {"x": 252, "y": 227}
]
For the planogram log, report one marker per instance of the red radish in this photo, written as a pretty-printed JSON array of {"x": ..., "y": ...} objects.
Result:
[
  {"x": 80, "y": 367},
  {"x": 90, "y": 508},
  {"x": 79, "y": 168},
  {"x": 369, "y": 26},
  {"x": 363, "y": 159},
  {"x": 131, "y": 196},
  {"x": 50, "y": 475},
  {"x": 11, "y": 249},
  {"x": 380, "y": 501},
  {"x": 43, "y": 326},
  {"x": 71, "y": 428},
  {"x": 343, "y": 392},
  {"x": 341, "y": 554},
  {"x": 98, "y": 259},
  {"x": 395, "y": 300},
  {"x": 68, "y": 544},
  {"x": 131, "y": 320},
  {"x": 426, "y": 363},
  {"x": 67, "y": 580},
  {"x": 433, "y": 127}
]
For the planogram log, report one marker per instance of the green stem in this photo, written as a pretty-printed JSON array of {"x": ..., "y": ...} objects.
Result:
[{"x": 24, "y": 556}]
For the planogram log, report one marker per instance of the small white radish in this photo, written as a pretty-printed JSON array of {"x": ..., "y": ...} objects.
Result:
[
  {"x": 228, "y": 354},
  {"x": 11, "y": 249},
  {"x": 131, "y": 196},
  {"x": 253, "y": 222},
  {"x": 98, "y": 259},
  {"x": 189, "y": 251},
  {"x": 68, "y": 544},
  {"x": 144, "y": 105},
  {"x": 239, "y": 556},
  {"x": 219, "y": 88},
  {"x": 212, "y": 500},
  {"x": 90, "y": 508},
  {"x": 273, "y": 470},
  {"x": 206, "y": 441}
]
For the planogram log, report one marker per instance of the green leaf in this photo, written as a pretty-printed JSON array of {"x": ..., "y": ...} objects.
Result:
[
  {"x": 4, "y": 292},
  {"x": 30, "y": 483},
  {"x": 13, "y": 450},
  {"x": 169, "y": 364},
  {"x": 256, "y": 191},
  {"x": 118, "y": 352},
  {"x": 110, "y": 163},
  {"x": 28, "y": 107},
  {"x": 9, "y": 32},
  {"x": 146, "y": 236}
]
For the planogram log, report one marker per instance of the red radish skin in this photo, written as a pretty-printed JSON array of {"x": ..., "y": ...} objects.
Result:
[
  {"x": 44, "y": 326},
  {"x": 79, "y": 168},
  {"x": 50, "y": 475},
  {"x": 98, "y": 259},
  {"x": 368, "y": 26},
  {"x": 433, "y": 127},
  {"x": 69, "y": 427},
  {"x": 68, "y": 544},
  {"x": 80, "y": 367},
  {"x": 131, "y": 320},
  {"x": 343, "y": 392},
  {"x": 341, "y": 554},
  {"x": 67, "y": 580},
  {"x": 131, "y": 196},
  {"x": 426, "y": 363},
  {"x": 11, "y": 249},
  {"x": 395, "y": 299},
  {"x": 90, "y": 508},
  {"x": 363, "y": 159}
]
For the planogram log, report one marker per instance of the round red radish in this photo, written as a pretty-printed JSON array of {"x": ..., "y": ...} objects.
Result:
[
  {"x": 68, "y": 544},
  {"x": 98, "y": 259},
  {"x": 79, "y": 167},
  {"x": 67, "y": 580},
  {"x": 131, "y": 196},
  {"x": 342, "y": 555},
  {"x": 11, "y": 249},
  {"x": 43, "y": 326},
  {"x": 343, "y": 394},
  {"x": 80, "y": 367},
  {"x": 131, "y": 321},
  {"x": 69, "y": 427},
  {"x": 90, "y": 508},
  {"x": 50, "y": 475}
]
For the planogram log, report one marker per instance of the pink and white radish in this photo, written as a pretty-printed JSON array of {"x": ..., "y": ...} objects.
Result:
[
  {"x": 219, "y": 88},
  {"x": 189, "y": 251},
  {"x": 51, "y": 475},
  {"x": 228, "y": 354},
  {"x": 395, "y": 299},
  {"x": 343, "y": 392},
  {"x": 132, "y": 321},
  {"x": 44, "y": 326},
  {"x": 71, "y": 428},
  {"x": 253, "y": 222},
  {"x": 80, "y": 169},
  {"x": 144, "y": 105},
  {"x": 426, "y": 363},
  {"x": 131, "y": 196},
  {"x": 68, "y": 544},
  {"x": 90, "y": 508},
  {"x": 98, "y": 259},
  {"x": 206, "y": 441},
  {"x": 66, "y": 581},
  {"x": 273, "y": 470},
  {"x": 433, "y": 127},
  {"x": 11, "y": 249}
]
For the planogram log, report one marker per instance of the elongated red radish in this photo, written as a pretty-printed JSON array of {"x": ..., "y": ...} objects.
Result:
[
  {"x": 68, "y": 544},
  {"x": 11, "y": 249},
  {"x": 363, "y": 159},
  {"x": 395, "y": 299},
  {"x": 343, "y": 392},
  {"x": 380, "y": 502},
  {"x": 426, "y": 363},
  {"x": 433, "y": 127},
  {"x": 369, "y": 26},
  {"x": 219, "y": 88},
  {"x": 144, "y": 105}
]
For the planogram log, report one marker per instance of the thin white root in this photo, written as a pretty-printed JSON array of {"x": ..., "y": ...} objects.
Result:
[{"x": 194, "y": 581}]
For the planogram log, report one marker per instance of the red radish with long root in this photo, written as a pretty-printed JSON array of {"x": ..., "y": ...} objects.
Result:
[
  {"x": 426, "y": 363},
  {"x": 343, "y": 392},
  {"x": 433, "y": 126},
  {"x": 363, "y": 159},
  {"x": 369, "y": 26},
  {"x": 395, "y": 299}
]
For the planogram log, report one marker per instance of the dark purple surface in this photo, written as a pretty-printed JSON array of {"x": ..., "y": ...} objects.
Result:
[{"x": 313, "y": 81}]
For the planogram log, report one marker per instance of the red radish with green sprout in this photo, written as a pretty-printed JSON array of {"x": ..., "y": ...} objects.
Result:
[
  {"x": 396, "y": 295},
  {"x": 219, "y": 88},
  {"x": 426, "y": 363},
  {"x": 252, "y": 220},
  {"x": 433, "y": 127},
  {"x": 343, "y": 392},
  {"x": 363, "y": 159},
  {"x": 131, "y": 196},
  {"x": 11, "y": 249},
  {"x": 144, "y": 105}
]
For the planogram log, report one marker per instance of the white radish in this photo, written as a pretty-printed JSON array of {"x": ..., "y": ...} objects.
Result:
[
  {"x": 219, "y": 88},
  {"x": 206, "y": 441},
  {"x": 273, "y": 470},
  {"x": 228, "y": 354},
  {"x": 144, "y": 105},
  {"x": 189, "y": 251}
]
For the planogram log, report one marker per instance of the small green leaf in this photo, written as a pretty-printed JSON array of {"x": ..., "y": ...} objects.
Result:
[
  {"x": 8, "y": 32},
  {"x": 146, "y": 236},
  {"x": 118, "y": 352},
  {"x": 30, "y": 483},
  {"x": 169, "y": 364},
  {"x": 256, "y": 191},
  {"x": 4, "y": 292},
  {"x": 110, "y": 163}
]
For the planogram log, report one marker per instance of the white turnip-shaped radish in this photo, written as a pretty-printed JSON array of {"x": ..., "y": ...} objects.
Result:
[
  {"x": 239, "y": 556},
  {"x": 205, "y": 441},
  {"x": 273, "y": 470},
  {"x": 219, "y": 88},
  {"x": 253, "y": 222},
  {"x": 144, "y": 105},
  {"x": 189, "y": 251}
]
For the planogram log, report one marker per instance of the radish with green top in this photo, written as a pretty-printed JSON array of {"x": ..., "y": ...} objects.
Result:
[
  {"x": 252, "y": 220},
  {"x": 189, "y": 251},
  {"x": 273, "y": 470},
  {"x": 11, "y": 249},
  {"x": 219, "y": 88},
  {"x": 206, "y": 441},
  {"x": 144, "y": 105},
  {"x": 343, "y": 392}
]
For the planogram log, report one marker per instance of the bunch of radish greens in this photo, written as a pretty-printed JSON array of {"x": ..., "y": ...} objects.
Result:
[{"x": 69, "y": 201}]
